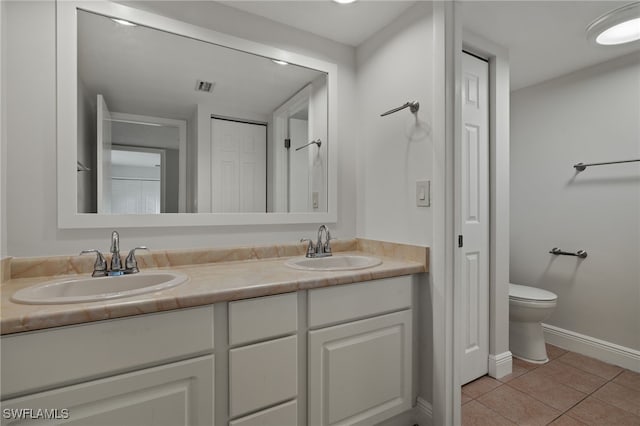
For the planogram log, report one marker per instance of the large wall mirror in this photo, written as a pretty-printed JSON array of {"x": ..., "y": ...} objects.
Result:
[{"x": 162, "y": 123}]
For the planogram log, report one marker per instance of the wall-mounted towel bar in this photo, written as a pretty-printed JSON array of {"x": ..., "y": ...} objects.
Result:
[
  {"x": 413, "y": 107},
  {"x": 581, "y": 166},
  {"x": 316, "y": 142},
  {"x": 580, "y": 253}
]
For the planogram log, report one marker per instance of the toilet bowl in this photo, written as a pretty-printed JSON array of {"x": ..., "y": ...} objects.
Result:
[{"x": 528, "y": 307}]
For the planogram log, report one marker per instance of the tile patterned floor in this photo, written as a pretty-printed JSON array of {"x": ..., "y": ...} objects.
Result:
[{"x": 570, "y": 390}]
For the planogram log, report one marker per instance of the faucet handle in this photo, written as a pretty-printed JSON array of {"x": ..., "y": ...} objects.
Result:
[
  {"x": 327, "y": 245},
  {"x": 131, "y": 263},
  {"x": 100, "y": 267},
  {"x": 311, "y": 250}
]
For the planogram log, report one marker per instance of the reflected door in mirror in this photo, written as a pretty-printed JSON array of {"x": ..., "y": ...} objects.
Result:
[{"x": 238, "y": 161}]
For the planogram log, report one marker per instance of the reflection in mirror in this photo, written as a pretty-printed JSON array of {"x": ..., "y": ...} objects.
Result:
[{"x": 170, "y": 124}]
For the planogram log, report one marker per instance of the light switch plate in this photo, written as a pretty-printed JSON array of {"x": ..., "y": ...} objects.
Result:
[{"x": 423, "y": 193}]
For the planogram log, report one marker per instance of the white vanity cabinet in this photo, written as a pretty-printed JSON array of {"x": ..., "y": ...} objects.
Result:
[
  {"x": 340, "y": 355},
  {"x": 155, "y": 369},
  {"x": 360, "y": 371}
]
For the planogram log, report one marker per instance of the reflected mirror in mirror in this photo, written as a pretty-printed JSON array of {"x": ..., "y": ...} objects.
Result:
[{"x": 170, "y": 124}]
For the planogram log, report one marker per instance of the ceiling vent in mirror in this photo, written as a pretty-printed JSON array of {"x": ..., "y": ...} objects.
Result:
[
  {"x": 204, "y": 86},
  {"x": 616, "y": 27}
]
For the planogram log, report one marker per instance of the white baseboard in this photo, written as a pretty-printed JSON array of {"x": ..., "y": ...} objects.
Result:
[
  {"x": 590, "y": 346},
  {"x": 500, "y": 365},
  {"x": 425, "y": 412},
  {"x": 418, "y": 415}
]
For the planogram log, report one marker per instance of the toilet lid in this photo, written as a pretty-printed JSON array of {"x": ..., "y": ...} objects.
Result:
[{"x": 524, "y": 292}]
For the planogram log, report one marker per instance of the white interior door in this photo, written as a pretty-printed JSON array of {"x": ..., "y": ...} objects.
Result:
[
  {"x": 472, "y": 257},
  {"x": 103, "y": 156},
  {"x": 239, "y": 166}
]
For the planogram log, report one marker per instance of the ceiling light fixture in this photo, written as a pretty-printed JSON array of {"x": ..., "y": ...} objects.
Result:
[
  {"x": 279, "y": 62},
  {"x": 124, "y": 22},
  {"x": 344, "y": 1},
  {"x": 619, "y": 26}
]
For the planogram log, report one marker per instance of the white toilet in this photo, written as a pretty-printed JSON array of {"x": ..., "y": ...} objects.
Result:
[{"x": 528, "y": 307}]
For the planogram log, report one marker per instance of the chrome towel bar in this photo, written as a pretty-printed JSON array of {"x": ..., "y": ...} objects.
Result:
[
  {"x": 413, "y": 107},
  {"x": 316, "y": 142},
  {"x": 580, "y": 253},
  {"x": 581, "y": 166}
]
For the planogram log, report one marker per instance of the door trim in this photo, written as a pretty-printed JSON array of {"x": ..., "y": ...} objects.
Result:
[
  {"x": 473, "y": 218},
  {"x": 499, "y": 93},
  {"x": 181, "y": 125}
]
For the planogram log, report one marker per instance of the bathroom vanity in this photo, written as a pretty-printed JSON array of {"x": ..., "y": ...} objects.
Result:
[{"x": 246, "y": 342}]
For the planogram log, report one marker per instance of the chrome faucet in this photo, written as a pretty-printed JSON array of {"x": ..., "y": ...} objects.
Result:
[
  {"x": 116, "y": 261},
  {"x": 131, "y": 264},
  {"x": 100, "y": 267},
  {"x": 320, "y": 248}
]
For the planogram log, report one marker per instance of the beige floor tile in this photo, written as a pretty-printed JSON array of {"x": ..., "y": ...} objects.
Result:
[
  {"x": 518, "y": 407},
  {"x": 620, "y": 396},
  {"x": 547, "y": 390},
  {"x": 554, "y": 352},
  {"x": 480, "y": 386},
  {"x": 591, "y": 365},
  {"x": 573, "y": 377},
  {"x": 476, "y": 414},
  {"x": 594, "y": 412},
  {"x": 629, "y": 379},
  {"x": 516, "y": 371},
  {"x": 465, "y": 398},
  {"x": 517, "y": 362},
  {"x": 565, "y": 420}
]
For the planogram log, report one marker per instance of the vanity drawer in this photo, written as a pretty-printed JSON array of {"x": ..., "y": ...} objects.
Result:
[
  {"x": 337, "y": 304},
  {"x": 280, "y": 415},
  {"x": 50, "y": 358},
  {"x": 262, "y": 318},
  {"x": 262, "y": 374}
]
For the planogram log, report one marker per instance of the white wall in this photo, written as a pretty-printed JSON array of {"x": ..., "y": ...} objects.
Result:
[
  {"x": 31, "y": 119},
  {"x": 592, "y": 115},
  {"x": 396, "y": 66},
  {"x": 318, "y": 157},
  {"x": 3, "y": 130}
]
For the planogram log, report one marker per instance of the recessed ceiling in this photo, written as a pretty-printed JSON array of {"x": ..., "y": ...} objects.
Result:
[
  {"x": 140, "y": 70},
  {"x": 349, "y": 24},
  {"x": 546, "y": 39}
]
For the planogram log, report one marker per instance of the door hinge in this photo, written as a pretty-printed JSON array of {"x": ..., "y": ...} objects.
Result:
[
  {"x": 287, "y": 143},
  {"x": 460, "y": 241}
]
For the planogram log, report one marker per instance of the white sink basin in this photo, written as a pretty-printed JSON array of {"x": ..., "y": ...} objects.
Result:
[
  {"x": 89, "y": 289},
  {"x": 333, "y": 263}
]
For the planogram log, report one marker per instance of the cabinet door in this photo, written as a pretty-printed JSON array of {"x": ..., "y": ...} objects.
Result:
[
  {"x": 180, "y": 393},
  {"x": 360, "y": 372}
]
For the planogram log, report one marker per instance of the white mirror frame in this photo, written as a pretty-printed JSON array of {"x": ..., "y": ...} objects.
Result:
[{"x": 67, "y": 76}]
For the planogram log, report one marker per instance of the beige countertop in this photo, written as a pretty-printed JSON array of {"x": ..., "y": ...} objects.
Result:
[{"x": 255, "y": 272}]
